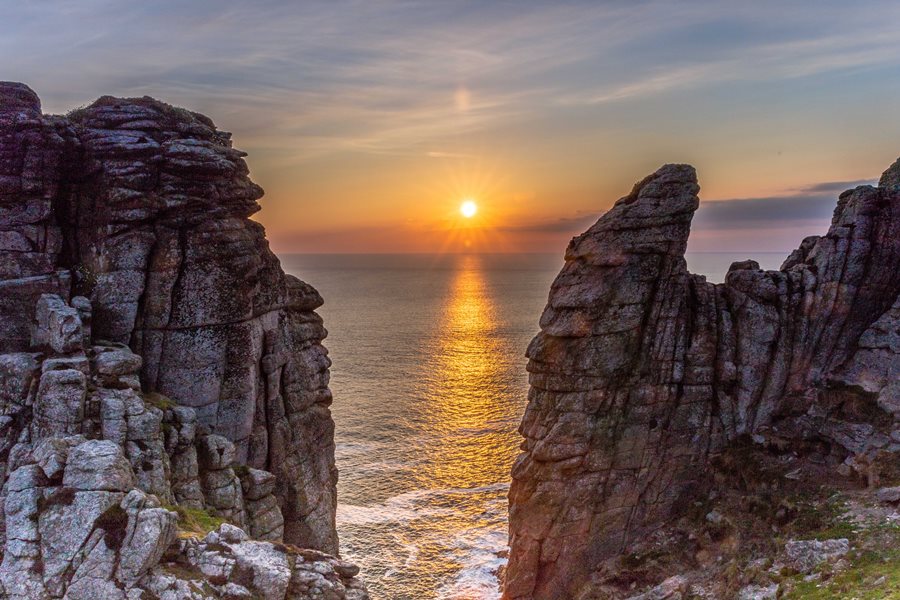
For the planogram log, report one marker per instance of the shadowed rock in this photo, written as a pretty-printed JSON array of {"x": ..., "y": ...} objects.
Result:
[
  {"x": 144, "y": 209},
  {"x": 643, "y": 373},
  {"x": 107, "y": 485}
]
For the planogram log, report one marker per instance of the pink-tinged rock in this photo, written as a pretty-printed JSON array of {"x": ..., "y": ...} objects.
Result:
[
  {"x": 643, "y": 373},
  {"x": 59, "y": 404},
  {"x": 57, "y": 325},
  {"x": 18, "y": 97}
]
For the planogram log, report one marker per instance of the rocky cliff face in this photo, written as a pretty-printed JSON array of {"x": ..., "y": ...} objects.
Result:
[
  {"x": 644, "y": 377},
  {"x": 156, "y": 361}
]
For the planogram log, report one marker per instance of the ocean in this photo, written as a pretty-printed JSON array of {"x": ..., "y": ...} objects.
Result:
[{"x": 429, "y": 386}]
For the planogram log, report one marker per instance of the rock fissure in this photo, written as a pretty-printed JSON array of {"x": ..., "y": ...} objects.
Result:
[
  {"x": 768, "y": 358},
  {"x": 131, "y": 413}
]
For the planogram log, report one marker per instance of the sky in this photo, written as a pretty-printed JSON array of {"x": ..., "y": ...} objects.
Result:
[{"x": 369, "y": 122}]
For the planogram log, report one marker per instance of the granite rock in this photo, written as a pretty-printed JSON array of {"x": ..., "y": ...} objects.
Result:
[
  {"x": 643, "y": 373},
  {"x": 154, "y": 360},
  {"x": 82, "y": 515},
  {"x": 806, "y": 555},
  {"x": 98, "y": 465},
  {"x": 134, "y": 215}
]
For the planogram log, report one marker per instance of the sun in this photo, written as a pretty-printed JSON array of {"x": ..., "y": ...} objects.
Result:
[{"x": 468, "y": 208}]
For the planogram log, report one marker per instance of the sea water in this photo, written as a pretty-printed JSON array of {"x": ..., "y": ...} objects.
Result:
[{"x": 429, "y": 387}]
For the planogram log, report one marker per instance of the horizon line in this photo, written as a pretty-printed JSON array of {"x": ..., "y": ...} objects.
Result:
[{"x": 545, "y": 253}]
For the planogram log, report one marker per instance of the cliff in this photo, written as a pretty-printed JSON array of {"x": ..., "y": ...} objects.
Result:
[
  {"x": 159, "y": 370},
  {"x": 654, "y": 392}
]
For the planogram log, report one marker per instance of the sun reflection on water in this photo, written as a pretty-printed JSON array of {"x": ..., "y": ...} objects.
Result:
[
  {"x": 424, "y": 507},
  {"x": 463, "y": 385}
]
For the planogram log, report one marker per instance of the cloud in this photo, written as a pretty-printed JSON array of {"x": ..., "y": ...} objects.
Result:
[
  {"x": 812, "y": 204},
  {"x": 572, "y": 225},
  {"x": 569, "y": 93},
  {"x": 391, "y": 76},
  {"x": 764, "y": 224},
  {"x": 836, "y": 187}
]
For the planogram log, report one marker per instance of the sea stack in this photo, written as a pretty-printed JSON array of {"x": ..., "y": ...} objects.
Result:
[
  {"x": 647, "y": 380},
  {"x": 158, "y": 367}
]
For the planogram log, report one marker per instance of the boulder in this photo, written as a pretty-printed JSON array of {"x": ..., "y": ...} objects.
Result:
[
  {"x": 806, "y": 555},
  {"x": 116, "y": 360},
  {"x": 759, "y": 592},
  {"x": 889, "y": 495},
  {"x": 59, "y": 405},
  {"x": 98, "y": 465},
  {"x": 57, "y": 325},
  {"x": 673, "y": 588}
]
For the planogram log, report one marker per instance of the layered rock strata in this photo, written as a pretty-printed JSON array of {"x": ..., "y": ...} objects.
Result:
[
  {"x": 159, "y": 373},
  {"x": 98, "y": 476},
  {"x": 643, "y": 374},
  {"x": 143, "y": 208}
]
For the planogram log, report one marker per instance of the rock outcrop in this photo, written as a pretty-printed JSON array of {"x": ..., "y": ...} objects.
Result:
[
  {"x": 99, "y": 476},
  {"x": 156, "y": 367},
  {"x": 143, "y": 208},
  {"x": 644, "y": 375}
]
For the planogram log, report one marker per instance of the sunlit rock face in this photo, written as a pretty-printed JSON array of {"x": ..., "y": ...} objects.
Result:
[
  {"x": 643, "y": 373},
  {"x": 143, "y": 208}
]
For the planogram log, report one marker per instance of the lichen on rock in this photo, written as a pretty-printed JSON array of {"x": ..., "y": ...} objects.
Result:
[
  {"x": 643, "y": 375},
  {"x": 154, "y": 356}
]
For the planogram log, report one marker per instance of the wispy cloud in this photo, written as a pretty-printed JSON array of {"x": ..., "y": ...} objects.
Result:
[
  {"x": 766, "y": 62},
  {"x": 386, "y": 76},
  {"x": 812, "y": 204},
  {"x": 569, "y": 95},
  {"x": 809, "y": 205},
  {"x": 569, "y": 225},
  {"x": 835, "y": 187}
]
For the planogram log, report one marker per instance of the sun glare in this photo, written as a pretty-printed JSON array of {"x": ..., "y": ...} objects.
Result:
[{"x": 468, "y": 209}]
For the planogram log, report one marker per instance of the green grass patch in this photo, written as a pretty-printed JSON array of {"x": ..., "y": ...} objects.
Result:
[
  {"x": 838, "y": 529},
  {"x": 195, "y": 521},
  {"x": 874, "y": 571},
  {"x": 818, "y": 520},
  {"x": 871, "y": 576}
]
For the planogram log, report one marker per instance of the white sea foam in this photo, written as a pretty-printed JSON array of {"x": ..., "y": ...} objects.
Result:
[
  {"x": 348, "y": 449},
  {"x": 481, "y": 554},
  {"x": 398, "y": 509},
  {"x": 478, "y": 550},
  {"x": 415, "y": 504}
]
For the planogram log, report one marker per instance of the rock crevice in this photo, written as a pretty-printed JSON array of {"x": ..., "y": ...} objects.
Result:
[
  {"x": 158, "y": 369},
  {"x": 644, "y": 373}
]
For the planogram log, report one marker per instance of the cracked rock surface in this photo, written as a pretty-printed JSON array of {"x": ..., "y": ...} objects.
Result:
[
  {"x": 644, "y": 373},
  {"x": 160, "y": 376},
  {"x": 143, "y": 209}
]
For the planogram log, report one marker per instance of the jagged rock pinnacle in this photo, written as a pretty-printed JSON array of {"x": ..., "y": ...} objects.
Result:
[{"x": 643, "y": 374}]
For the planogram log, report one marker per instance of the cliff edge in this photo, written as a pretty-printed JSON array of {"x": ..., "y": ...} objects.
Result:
[
  {"x": 164, "y": 420},
  {"x": 653, "y": 390}
]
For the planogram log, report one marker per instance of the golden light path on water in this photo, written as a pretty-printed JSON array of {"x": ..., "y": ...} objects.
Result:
[
  {"x": 429, "y": 385},
  {"x": 466, "y": 373},
  {"x": 463, "y": 381}
]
